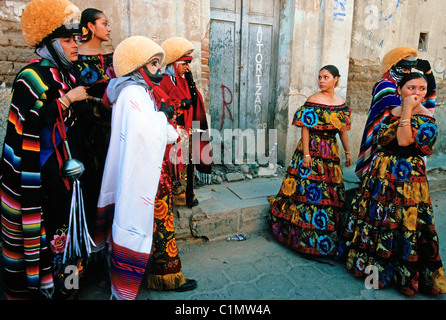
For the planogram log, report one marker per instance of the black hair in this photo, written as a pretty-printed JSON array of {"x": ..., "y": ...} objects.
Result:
[
  {"x": 89, "y": 15},
  {"x": 332, "y": 69},
  {"x": 410, "y": 76}
]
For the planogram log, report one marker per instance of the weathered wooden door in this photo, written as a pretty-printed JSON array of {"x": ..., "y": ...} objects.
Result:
[{"x": 243, "y": 42}]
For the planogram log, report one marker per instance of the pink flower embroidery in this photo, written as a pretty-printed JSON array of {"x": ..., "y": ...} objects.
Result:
[
  {"x": 58, "y": 243},
  {"x": 324, "y": 148}
]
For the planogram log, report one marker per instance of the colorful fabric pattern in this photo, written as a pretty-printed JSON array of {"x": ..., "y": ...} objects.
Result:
[
  {"x": 391, "y": 225},
  {"x": 95, "y": 73},
  {"x": 164, "y": 268},
  {"x": 95, "y": 69},
  {"x": 306, "y": 213},
  {"x": 34, "y": 201},
  {"x": 384, "y": 98},
  {"x": 127, "y": 269}
]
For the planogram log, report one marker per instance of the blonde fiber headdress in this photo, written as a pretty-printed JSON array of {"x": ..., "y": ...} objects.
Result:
[
  {"x": 135, "y": 52},
  {"x": 392, "y": 57},
  {"x": 175, "y": 48},
  {"x": 41, "y": 17}
]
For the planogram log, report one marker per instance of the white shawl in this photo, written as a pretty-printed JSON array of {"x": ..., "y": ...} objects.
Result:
[{"x": 133, "y": 166}]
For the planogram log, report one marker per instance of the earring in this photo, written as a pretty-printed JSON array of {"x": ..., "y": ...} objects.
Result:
[{"x": 92, "y": 35}]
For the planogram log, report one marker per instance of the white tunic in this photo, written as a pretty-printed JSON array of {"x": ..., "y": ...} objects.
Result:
[{"x": 133, "y": 166}]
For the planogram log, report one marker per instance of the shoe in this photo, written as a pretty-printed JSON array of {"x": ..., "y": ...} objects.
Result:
[
  {"x": 193, "y": 203},
  {"x": 190, "y": 284}
]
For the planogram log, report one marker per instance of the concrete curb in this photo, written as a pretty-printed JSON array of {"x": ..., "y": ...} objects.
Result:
[{"x": 240, "y": 207}]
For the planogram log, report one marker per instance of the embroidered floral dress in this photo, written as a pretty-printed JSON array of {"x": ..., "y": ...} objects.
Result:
[
  {"x": 305, "y": 214},
  {"x": 95, "y": 72},
  {"x": 164, "y": 271},
  {"x": 391, "y": 225}
]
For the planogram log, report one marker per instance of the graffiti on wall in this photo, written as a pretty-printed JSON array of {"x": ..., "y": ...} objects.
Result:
[
  {"x": 439, "y": 68},
  {"x": 380, "y": 11},
  {"x": 339, "y": 10},
  {"x": 258, "y": 77},
  {"x": 225, "y": 105}
]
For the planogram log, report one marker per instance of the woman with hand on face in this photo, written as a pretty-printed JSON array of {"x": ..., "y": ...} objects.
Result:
[
  {"x": 391, "y": 226},
  {"x": 46, "y": 103},
  {"x": 306, "y": 213},
  {"x": 394, "y": 65}
]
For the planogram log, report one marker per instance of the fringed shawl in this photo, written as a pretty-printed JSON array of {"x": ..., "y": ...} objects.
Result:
[
  {"x": 33, "y": 96},
  {"x": 130, "y": 183}
]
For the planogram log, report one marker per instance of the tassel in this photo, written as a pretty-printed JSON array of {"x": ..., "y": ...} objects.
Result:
[
  {"x": 48, "y": 293},
  {"x": 165, "y": 282},
  {"x": 78, "y": 235}
]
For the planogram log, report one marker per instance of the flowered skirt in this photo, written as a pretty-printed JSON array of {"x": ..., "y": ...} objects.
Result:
[
  {"x": 164, "y": 267},
  {"x": 183, "y": 176},
  {"x": 307, "y": 211},
  {"x": 391, "y": 227}
]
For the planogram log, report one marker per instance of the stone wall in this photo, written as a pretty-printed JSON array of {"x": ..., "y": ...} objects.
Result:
[
  {"x": 354, "y": 35},
  {"x": 14, "y": 51}
]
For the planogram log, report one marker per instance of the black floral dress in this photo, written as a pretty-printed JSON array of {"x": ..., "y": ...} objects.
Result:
[
  {"x": 95, "y": 72},
  {"x": 391, "y": 226},
  {"x": 306, "y": 213}
]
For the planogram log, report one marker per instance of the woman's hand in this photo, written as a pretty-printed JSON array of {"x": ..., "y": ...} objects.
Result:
[
  {"x": 348, "y": 160},
  {"x": 307, "y": 162},
  {"x": 410, "y": 102}
]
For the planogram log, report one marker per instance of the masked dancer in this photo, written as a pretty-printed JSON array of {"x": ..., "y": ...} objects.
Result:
[
  {"x": 192, "y": 151},
  {"x": 46, "y": 105},
  {"x": 130, "y": 195}
]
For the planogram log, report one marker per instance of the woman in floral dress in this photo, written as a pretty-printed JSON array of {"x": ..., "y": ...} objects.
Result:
[
  {"x": 95, "y": 68},
  {"x": 306, "y": 212},
  {"x": 391, "y": 226}
]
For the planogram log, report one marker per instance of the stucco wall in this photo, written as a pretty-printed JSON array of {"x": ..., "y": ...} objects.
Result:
[
  {"x": 353, "y": 35},
  {"x": 379, "y": 26},
  {"x": 320, "y": 35}
]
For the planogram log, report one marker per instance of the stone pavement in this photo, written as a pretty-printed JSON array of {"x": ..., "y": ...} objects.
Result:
[{"x": 260, "y": 268}]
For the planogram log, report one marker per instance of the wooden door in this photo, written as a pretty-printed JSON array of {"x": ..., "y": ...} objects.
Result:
[{"x": 243, "y": 42}]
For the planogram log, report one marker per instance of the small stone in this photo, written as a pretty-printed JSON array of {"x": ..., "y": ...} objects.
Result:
[
  {"x": 235, "y": 176},
  {"x": 245, "y": 168},
  {"x": 267, "y": 171}
]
